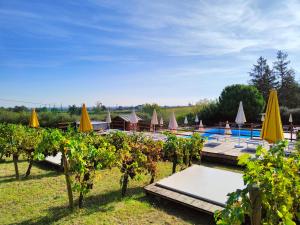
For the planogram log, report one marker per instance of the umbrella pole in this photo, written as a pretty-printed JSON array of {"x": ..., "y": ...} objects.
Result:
[
  {"x": 239, "y": 144},
  {"x": 239, "y": 135}
]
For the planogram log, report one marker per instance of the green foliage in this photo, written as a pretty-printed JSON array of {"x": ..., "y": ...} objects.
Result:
[
  {"x": 153, "y": 151},
  {"x": 181, "y": 151},
  {"x": 16, "y": 140},
  {"x": 194, "y": 146},
  {"x": 174, "y": 150},
  {"x": 263, "y": 78},
  {"x": 280, "y": 77},
  {"x": 277, "y": 177},
  {"x": 137, "y": 155},
  {"x": 210, "y": 114},
  {"x": 132, "y": 161},
  {"x": 11, "y": 139},
  {"x": 119, "y": 140},
  {"x": 230, "y": 97},
  {"x": 289, "y": 89},
  {"x": 84, "y": 159},
  {"x": 51, "y": 143},
  {"x": 148, "y": 109},
  {"x": 74, "y": 110},
  {"x": 30, "y": 141}
]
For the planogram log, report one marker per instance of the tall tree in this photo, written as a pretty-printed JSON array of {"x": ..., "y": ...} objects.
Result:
[
  {"x": 288, "y": 90},
  {"x": 263, "y": 78}
]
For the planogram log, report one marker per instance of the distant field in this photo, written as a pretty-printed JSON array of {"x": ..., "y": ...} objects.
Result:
[{"x": 50, "y": 119}]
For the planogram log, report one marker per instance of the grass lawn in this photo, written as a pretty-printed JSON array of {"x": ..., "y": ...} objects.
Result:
[{"x": 42, "y": 199}]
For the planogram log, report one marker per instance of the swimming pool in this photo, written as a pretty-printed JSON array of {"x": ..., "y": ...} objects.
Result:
[{"x": 235, "y": 132}]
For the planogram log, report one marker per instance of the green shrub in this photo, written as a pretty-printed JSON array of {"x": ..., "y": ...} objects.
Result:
[{"x": 230, "y": 97}]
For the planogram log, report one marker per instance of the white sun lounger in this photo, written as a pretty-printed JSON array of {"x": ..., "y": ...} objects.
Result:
[
  {"x": 218, "y": 137},
  {"x": 254, "y": 142}
]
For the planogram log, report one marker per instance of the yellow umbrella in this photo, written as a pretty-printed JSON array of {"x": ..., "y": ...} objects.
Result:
[
  {"x": 272, "y": 127},
  {"x": 85, "y": 123},
  {"x": 34, "y": 122}
]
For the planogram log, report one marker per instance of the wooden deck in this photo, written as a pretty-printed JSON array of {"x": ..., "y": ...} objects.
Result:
[
  {"x": 188, "y": 201},
  {"x": 225, "y": 152},
  {"x": 199, "y": 187}
]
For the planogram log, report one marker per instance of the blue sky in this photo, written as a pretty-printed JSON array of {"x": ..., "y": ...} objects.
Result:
[{"x": 136, "y": 51}]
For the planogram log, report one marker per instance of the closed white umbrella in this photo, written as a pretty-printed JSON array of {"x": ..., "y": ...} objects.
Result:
[
  {"x": 173, "y": 123},
  {"x": 201, "y": 127},
  {"x": 196, "y": 119},
  {"x": 133, "y": 119},
  {"x": 240, "y": 120},
  {"x": 161, "y": 122},
  {"x": 291, "y": 118},
  {"x": 227, "y": 129},
  {"x": 262, "y": 119},
  {"x": 108, "y": 119},
  {"x": 186, "y": 121},
  {"x": 154, "y": 120},
  {"x": 291, "y": 124}
]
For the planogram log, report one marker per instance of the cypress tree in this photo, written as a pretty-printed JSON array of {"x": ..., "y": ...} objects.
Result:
[
  {"x": 288, "y": 91},
  {"x": 263, "y": 78}
]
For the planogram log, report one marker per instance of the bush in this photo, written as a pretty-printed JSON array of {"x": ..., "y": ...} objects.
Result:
[
  {"x": 230, "y": 97},
  {"x": 210, "y": 114}
]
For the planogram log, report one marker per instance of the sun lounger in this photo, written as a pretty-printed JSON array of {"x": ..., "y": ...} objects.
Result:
[
  {"x": 290, "y": 148},
  {"x": 218, "y": 137},
  {"x": 254, "y": 142}
]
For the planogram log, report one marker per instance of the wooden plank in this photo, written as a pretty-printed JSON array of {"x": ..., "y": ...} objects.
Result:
[{"x": 188, "y": 201}]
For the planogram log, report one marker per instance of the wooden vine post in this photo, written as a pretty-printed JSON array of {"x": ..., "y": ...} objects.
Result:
[
  {"x": 68, "y": 179},
  {"x": 255, "y": 200},
  {"x": 15, "y": 159}
]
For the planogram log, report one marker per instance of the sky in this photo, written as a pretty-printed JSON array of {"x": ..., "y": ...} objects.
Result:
[{"x": 118, "y": 52}]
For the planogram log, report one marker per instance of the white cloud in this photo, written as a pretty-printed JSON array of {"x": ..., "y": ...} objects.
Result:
[{"x": 210, "y": 27}]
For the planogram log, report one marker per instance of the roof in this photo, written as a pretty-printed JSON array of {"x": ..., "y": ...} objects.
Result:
[{"x": 126, "y": 117}]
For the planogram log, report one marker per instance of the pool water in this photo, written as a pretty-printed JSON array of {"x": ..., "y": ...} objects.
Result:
[{"x": 235, "y": 132}]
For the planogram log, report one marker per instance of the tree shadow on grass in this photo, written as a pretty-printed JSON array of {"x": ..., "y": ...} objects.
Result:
[
  {"x": 92, "y": 204},
  {"x": 49, "y": 171},
  {"x": 31, "y": 177},
  {"x": 9, "y": 160},
  {"x": 102, "y": 203}
]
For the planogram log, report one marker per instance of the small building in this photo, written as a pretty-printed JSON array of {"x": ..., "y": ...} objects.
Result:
[{"x": 122, "y": 122}]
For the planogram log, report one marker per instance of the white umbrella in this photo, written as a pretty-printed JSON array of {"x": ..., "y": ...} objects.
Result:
[
  {"x": 201, "y": 127},
  {"x": 161, "y": 122},
  {"x": 133, "y": 119},
  {"x": 196, "y": 119},
  {"x": 262, "y": 119},
  {"x": 240, "y": 120},
  {"x": 154, "y": 120},
  {"x": 291, "y": 118},
  {"x": 173, "y": 123},
  {"x": 108, "y": 119},
  {"x": 186, "y": 121},
  {"x": 227, "y": 129}
]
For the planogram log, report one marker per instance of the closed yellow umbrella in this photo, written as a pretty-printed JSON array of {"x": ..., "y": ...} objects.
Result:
[
  {"x": 272, "y": 127},
  {"x": 34, "y": 122},
  {"x": 85, "y": 123}
]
